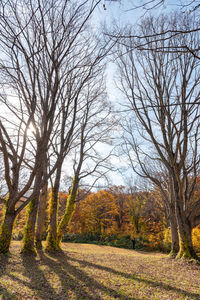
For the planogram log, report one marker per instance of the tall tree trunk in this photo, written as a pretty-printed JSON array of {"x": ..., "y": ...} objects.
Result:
[
  {"x": 28, "y": 246},
  {"x": 41, "y": 217},
  {"x": 42, "y": 205},
  {"x": 186, "y": 249},
  {"x": 51, "y": 243},
  {"x": 170, "y": 207},
  {"x": 69, "y": 210},
  {"x": 174, "y": 235},
  {"x": 6, "y": 229}
]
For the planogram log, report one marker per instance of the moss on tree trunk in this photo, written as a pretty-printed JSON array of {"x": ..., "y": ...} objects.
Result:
[
  {"x": 6, "y": 230},
  {"x": 28, "y": 243},
  {"x": 51, "y": 242},
  {"x": 186, "y": 250},
  {"x": 69, "y": 211}
]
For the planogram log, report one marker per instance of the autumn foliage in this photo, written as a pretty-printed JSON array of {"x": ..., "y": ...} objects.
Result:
[
  {"x": 98, "y": 214},
  {"x": 114, "y": 217}
]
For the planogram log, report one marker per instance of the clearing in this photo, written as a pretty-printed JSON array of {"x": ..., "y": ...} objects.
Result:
[{"x": 85, "y": 271}]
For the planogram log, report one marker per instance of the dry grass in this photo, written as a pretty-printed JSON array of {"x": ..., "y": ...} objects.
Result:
[{"x": 96, "y": 272}]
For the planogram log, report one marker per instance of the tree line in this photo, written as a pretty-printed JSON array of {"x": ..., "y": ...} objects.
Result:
[{"x": 116, "y": 216}]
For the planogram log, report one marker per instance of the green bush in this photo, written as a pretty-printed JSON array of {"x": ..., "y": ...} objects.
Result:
[
  {"x": 112, "y": 240},
  {"x": 79, "y": 238},
  {"x": 141, "y": 243}
]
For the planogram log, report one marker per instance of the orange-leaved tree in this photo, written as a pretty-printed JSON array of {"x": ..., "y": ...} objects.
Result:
[{"x": 97, "y": 213}]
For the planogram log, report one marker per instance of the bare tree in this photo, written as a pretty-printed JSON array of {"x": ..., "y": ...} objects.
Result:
[
  {"x": 145, "y": 5},
  {"x": 162, "y": 93},
  {"x": 135, "y": 5},
  {"x": 145, "y": 39},
  {"x": 94, "y": 124},
  {"x": 151, "y": 169},
  {"x": 38, "y": 41},
  {"x": 85, "y": 65}
]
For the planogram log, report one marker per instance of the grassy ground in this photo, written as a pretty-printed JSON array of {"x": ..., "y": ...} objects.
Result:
[{"x": 85, "y": 271}]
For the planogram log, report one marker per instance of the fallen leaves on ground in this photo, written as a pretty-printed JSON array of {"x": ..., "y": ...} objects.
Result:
[{"x": 84, "y": 271}]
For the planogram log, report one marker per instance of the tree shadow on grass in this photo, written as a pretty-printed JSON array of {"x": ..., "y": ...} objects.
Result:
[
  {"x": 82, "y": 285},
  {"x": 151, "y": 283},
  {"x": 4, "y": 259},
  {"x": 4, "y": 293},
  {"x": 69, "y": 284},
  {"x": 39, "y": 283},
  {"x": 73, "y": 281}
]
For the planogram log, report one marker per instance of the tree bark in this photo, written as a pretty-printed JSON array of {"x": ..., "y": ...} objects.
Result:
[
  {"x": 174, "y": 235},
  {"x": 186, "y": 250},
  {"x": 41, "y": 217},
  {"x": 69, "y": 211},
  {"x": 28, "y": 246},
  {"x": 6, "y": 230},
  {"x": 51, "y": 242}
]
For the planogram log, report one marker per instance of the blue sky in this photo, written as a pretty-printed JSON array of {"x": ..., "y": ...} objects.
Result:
[
  {"x": 123, "y": 13},
  {"x": 120, "y": 13}
]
